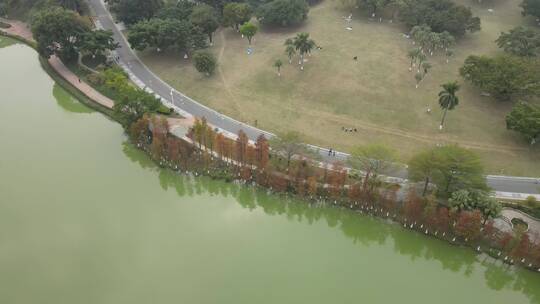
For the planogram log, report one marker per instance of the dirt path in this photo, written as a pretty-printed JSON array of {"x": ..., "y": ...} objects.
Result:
[
  {"x": 236, "y": 106},
  {"x": 22, "y": 30}
]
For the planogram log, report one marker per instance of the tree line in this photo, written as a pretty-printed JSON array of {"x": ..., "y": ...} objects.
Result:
[{"x": 284, "y": 165}]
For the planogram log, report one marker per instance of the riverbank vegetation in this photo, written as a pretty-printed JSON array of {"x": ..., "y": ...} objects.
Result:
[{"x": 465, "y": 219}]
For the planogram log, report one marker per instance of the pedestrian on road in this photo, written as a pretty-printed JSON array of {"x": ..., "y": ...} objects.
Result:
[
  {"x": 334, "y": 153},
  {"x": 79, "y": 80}
]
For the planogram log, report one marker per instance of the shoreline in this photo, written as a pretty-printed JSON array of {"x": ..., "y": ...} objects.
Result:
[{"x": 373, "y": 209}]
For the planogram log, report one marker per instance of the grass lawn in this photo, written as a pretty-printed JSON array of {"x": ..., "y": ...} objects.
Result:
[{"x": 375, "y": 94}]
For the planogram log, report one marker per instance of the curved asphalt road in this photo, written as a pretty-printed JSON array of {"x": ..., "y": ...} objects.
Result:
[{"x": 505, "y": 186}]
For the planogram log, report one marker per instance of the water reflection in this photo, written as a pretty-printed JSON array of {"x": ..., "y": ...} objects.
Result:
[
  {"x": 5, "y": 42},
  {"x": 68, "y": 102},
  {"x": 364, "y": 230}
]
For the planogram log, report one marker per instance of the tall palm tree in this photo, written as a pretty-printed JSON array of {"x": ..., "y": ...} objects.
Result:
[
  {"x": 303, "y": 45},
  {"x": 290, "y": 49},
  {"x": 421, "y": 58},
  {"x": 448, "y": 99},
  {"x": 413, "y": 54}
]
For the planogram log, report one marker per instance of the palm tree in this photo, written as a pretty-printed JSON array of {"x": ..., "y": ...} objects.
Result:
[
  {"x": 426, "y": 66},
  {"x": 290, "y": 50},
  {"x": 448, "y": 99},
  {"x": 421, "y": 58},
  {"x": 413, "y": 54},
  {"x": 303, "y": 45},
  {"x": 277, "y": 64}
]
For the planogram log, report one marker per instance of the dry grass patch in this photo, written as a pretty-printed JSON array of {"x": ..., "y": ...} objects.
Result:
[{"x": 375, "y": 94}]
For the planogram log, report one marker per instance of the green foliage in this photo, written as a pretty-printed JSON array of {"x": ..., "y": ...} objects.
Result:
[
  {"x": 131, "y": 103},
  {"x": 525, "y": 119},
  {"x": 58, "y": 32},
  {"x": 520, "y": 41},
  {"x": 531, "y": 7},
  {"x": 503, "y": 76},
  {"x": 204, "y": 62},
  {"x": 448, "y": 99},
  {"x": 302, "y": 45},
  {"x": 372, "y": 159},
  {"x": 236, "y": 14},
  {"x": 204, "y": 16},
  {"x": 290, "y": 49},
  {"x": 283, "y": 12},
  {"x": 457, "y": 168},
  {"x": 180, "y": 10},
  {"x": 423, "y": 167},
  {"x": 97, "y": 42},
  {"x": 288, "y": 145},
  {"x": 164, "y": 34},
  {"x": 249, "y": 30},
  {"x": 531, "y": 201},
  {"x": 427, "y": 39},
  {"x": 439, "y": 15},
  {"x": 469, "y": 200},
  {"x": 133, "y": 11}
]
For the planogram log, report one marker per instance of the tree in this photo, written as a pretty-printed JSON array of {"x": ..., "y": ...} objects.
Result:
[
  {"x": 457, "y": 168},
  {"x": 504, "y": 76},
  {"x": 241, "y": 147},
  {"x": 133, "y": 11},
  {"x": 473, "y": 199},
  {"x": 58, "y": 32},
  {"x": 164, "y": 34},
  {"x": 97, "y": 42},
  {"x": 303, "y": 45},
  {"x": 283, "y": 12},
  {"x": 469, "y": 224},
  {"x": 204, "y": 16},
  {"x": 422, "y": 167},
  {"x": 440, "y": 16},
  {"x": 205, "y": 62},
  {"x": 531, "y": 7},
  {"x": 249, "y": 30},
  {"x": 371, "y": 160},
  {"x": 374, "y": 5},
  {"x": 236, "y": 14},
  {"x": 133, "y": 104},
  {"x": 277, "y": 64},
  {"x": 448, "y": 99},
  {"x": 413, "y": 55},
  {"x": 181, "y": 10},
  {"x": 288, "y": 144},
  {"x": 290, "y": 49},
  {"x": 525, "y": 119},
  {"x": 262, "y": 152},
  {"x": 426, "y": 66},
  {"x": 520, "y": 41},
  {"x": 413, "y": 208}
]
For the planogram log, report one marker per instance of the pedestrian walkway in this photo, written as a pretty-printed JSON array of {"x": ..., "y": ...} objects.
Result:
[
  {"x": 534, "y": 224},
  {"x": 20, "y": 29}
]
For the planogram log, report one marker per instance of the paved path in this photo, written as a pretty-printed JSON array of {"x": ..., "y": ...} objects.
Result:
[
  {"x": 21, "y": 29},
  {"x": 534, "y": 224}
]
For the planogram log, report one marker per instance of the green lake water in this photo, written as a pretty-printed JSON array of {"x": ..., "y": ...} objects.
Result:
[{"x": 86, "y": 218}]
